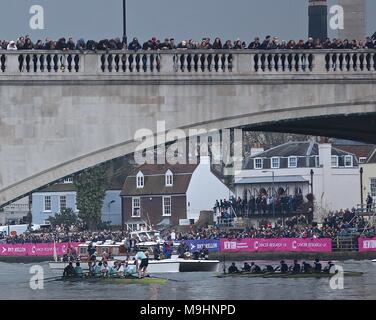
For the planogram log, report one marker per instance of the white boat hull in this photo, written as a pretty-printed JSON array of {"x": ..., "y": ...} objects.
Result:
[{"x": 374, "y": 260}]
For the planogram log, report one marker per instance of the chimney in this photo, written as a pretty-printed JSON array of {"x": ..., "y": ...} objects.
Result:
[
  {"x": 325, "y": 155},
  {"x": 318, "y": 19}
]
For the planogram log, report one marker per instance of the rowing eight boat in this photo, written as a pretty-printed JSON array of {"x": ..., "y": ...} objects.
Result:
[
  {"x": 288, "y": 275},
  {"x": 127, "y": 280}
]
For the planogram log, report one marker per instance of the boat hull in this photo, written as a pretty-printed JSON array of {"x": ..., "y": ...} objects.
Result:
[
  {"x": 288, "y": 275},
  {"x": 154, "y": 266},
  {"x": 198, "y": 265},
  {"x": 132, "y": 280}
]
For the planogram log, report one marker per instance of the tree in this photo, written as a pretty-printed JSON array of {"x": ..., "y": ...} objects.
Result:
[
  {"x": 66, "y": 217},
  {"x": 91, "y": 186}
]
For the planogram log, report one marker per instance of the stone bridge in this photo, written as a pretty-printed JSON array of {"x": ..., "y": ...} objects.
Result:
[{"x": 63, "y": 112}]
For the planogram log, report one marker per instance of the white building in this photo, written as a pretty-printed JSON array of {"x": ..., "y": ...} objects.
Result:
[{"x": 334, "y": 174}]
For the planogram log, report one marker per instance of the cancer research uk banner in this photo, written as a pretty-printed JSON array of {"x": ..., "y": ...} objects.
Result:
[
  {"x": 276, "y": 245},
  {"x": 35, "y": 249},
  {"x": 367, "y": 244}
]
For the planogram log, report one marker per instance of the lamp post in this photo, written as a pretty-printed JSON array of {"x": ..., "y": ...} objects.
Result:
[
  {"x": 273, "y": 206},
  {"x": 361, "y": 187},
  {"x": 125, "y": 21},
  {"x": 312, "y": 173}
]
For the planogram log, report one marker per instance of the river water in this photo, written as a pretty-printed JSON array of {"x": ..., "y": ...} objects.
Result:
[{"x": 14, "y": 284}]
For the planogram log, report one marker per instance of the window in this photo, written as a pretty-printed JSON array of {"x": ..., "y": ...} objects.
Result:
[
  {"x": 275, "y": 163},
  {"x": 136, "y": 207},
  {"x": 68, "y": 180},
  {"x": 334, "y": 161},
  {"x": 373, "y": 187},
  {"x": 258, "y": 163},
  {"x": 348, "y": 161},
  {"x": 293, "y": 162},
  {"x": 63, "y": 202},
  {"x": 167, "y": 206},
  {"x": 132, "y": 227},
  {"x": 362, "y": 159},
  {"x": 140, "y": 180},
  {"x": 47, "y": 203},
  {"x": 169, "y": 178}
]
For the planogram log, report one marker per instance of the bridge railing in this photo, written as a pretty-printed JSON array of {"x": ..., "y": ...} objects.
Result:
[{"x": 244, "y": 62}]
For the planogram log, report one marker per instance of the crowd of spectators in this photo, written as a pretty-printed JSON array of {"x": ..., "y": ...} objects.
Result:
[
  {"x": 339, "y": 223},
  {"x": 269, "y": 43},
  {"x": 263, "y": 204}
]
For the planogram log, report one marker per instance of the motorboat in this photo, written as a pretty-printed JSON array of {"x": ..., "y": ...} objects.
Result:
[{"x": 116, "y": 252}]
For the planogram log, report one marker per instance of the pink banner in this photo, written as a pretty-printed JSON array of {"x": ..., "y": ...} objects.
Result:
[
  {"x": 276, "y": 245},
  {"x": 36, "y": 250},
  {"x": 367, "y": 244}
]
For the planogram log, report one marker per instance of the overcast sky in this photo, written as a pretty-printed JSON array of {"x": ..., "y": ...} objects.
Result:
[{"x": 181, "y": 19}]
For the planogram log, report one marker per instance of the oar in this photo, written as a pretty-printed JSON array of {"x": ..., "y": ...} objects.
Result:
[{"x": 174, "y": 280}]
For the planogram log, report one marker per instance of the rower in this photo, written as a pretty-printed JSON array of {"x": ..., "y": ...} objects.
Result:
[
  {"x": 307, "y": 268},
  {"x": 104, "y": 269},
  {"x": 255, "y": 268},
  {"x": 69, "y": 270},
  {"x": 330, "y": 267},
  {"x": 283, "y": 267},
  {"x": 120, "y": 270},
  {"x": 296, "y": 267},
  {"x": 129, "y": 269},
  {"x": 78, "y": 270},
  {"x": 269, "y": 268},
  {"x": 233, "y": 268},
  {"x": 112, "y": 270},
  {"x": 98, "y": 270},
  {"x": 141, "y": 267},
  {"x": 317, "y": 266},
  {"x": 246, "y": 267}
]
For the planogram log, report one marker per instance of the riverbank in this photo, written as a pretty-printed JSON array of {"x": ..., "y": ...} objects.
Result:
[{"x": 341, "y": 256}]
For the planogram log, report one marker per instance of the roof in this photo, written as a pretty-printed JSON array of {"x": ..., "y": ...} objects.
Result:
[
  {"x": 269, "y": 179},
  {"x": 360, "y": 150},
  {"x": 155, "y": 185},
  {"x": 154, "y": 169},
  {"x": 293, "y": 148}
]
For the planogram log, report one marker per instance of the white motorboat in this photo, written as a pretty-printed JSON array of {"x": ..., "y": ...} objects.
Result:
[
  {"x": 159, "y": 266},
  {"x": 163, "y": 266},
  {"x": 374, "y": 260}
]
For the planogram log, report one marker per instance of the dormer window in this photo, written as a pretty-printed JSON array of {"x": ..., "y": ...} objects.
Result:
[
  {"x": 275, "y": 163},
  {"x": 258, "y": 163},
  {"x": 348, "y": 161},
  {"x": 335, "y": 162},
  {"x": 140, "y": 180},
  {"x": 169, "y": 178},
  {"x": 293, "y": 162}
]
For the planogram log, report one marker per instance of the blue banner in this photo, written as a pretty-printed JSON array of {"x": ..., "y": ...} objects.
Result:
[{"x": 196, "y": 245}]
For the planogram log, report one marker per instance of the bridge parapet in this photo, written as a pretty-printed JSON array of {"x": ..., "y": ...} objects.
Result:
[{"x": 213, "y": 62}]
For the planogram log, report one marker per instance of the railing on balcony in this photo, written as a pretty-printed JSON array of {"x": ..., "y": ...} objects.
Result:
[{"x": 244, "y": 62}]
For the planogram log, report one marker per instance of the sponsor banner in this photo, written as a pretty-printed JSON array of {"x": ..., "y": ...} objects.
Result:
[
  {"x": 367, "y": 244},
  {"x": 196, "y": 245},
  {"x": 276, "y": 245},
  {"x": 35, "y": 249}
]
